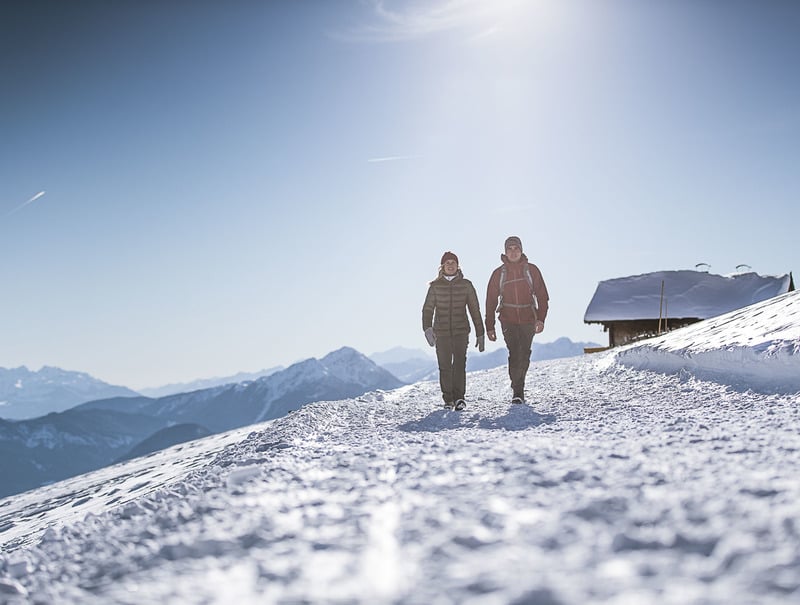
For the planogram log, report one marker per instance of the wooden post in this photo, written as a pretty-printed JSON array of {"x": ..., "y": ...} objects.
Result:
[{"x": 660, "y": 306}]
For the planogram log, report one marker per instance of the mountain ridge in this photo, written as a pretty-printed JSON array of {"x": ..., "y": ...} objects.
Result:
[
  {"x": 25, "y": 394},
  {"x": 59, "y": 444},
  {"x": 207, "y": 383}
]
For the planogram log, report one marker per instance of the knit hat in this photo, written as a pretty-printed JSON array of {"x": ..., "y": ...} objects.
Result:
[
  {"x": 449, "y": 256},
  {"x": 513, "y": 241}
]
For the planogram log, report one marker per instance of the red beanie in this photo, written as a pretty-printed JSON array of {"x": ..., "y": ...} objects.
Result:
[{"x": 449, "y": 256}]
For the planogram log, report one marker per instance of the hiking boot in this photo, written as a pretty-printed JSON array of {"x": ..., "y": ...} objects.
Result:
[
  {"x": 460, "y": 405},
  {"x": 449, "y": 405},
  {"x": 516, "y": 399}
]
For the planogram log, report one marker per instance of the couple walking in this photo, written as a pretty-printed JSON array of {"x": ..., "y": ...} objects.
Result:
[{"x": 516, "y": 292}]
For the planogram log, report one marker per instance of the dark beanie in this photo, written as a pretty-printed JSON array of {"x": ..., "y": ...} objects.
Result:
[
  {"x": 449, "y": 256},
  {"x": 513, "y": 240}
]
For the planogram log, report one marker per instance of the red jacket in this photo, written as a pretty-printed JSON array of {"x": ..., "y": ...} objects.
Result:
[{"x": 518, "y": 300}]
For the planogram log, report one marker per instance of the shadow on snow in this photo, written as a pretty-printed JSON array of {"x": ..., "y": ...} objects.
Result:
[{"x": 516, "y": 418}]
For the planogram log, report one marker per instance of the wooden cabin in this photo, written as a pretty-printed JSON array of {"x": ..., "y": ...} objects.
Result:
[{"x": 642, "y": 306}]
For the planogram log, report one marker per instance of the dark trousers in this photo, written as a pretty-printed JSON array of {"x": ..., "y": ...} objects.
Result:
[
  {"x": 518, "y": 339},
  {"x": 451, "y": 353}
]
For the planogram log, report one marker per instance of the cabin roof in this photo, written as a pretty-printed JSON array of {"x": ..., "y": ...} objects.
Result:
[{"x": 687, "y": 294}]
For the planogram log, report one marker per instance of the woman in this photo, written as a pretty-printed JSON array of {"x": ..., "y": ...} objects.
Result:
[{"x": 446, "y": 326}]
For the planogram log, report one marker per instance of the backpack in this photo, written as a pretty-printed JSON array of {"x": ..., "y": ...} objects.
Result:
[{"x": 534, "y": 305}]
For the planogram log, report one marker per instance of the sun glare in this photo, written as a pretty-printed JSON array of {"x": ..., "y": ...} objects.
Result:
[{"x": 479, "y": 18}]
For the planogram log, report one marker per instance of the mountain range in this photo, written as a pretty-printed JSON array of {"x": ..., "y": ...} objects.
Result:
[
  {"x": 206, "y": 383},
  {"x": 98, "y": 433},
  {"x": 26, "y": 394}
]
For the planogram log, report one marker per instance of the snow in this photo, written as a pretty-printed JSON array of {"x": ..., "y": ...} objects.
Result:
[
  {"x": 687, "y": 294},
  {"x": 650, "y": 474},
  {"x": 756, "y": 347}
]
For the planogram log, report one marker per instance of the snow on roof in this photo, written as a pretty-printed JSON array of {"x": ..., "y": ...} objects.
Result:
[{"x": 687, "y": 294}]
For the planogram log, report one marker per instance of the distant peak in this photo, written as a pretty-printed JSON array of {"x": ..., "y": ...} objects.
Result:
[
  {"x": 53, "y": 371},
  {"x": 345, "y": 349},
  {"x": 18, "y": 369},
  {"x": 343, "y": 353}
]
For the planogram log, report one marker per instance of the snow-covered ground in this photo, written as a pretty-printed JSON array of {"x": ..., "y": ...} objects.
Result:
[{"x": 631, "y": 478}]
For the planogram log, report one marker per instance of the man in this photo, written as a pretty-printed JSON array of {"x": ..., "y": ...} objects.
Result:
[
  {"x": 446, "y": 326},
  {"x": 517, "y": 292}
]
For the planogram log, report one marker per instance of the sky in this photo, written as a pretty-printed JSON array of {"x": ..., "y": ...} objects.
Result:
[
  {"x": 194, "y": 189},
  {"x": 662, "y": 472}
]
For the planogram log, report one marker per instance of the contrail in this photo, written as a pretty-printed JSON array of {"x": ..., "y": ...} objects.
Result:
[
  {"x": 394, "y": 158},
  {"x": 30, "y": 201}
]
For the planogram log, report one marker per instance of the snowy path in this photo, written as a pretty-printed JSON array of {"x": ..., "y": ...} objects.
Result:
[{"x": 618, "y": 486}]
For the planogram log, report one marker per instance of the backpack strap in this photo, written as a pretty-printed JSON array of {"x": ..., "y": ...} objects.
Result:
[
  {"x": 534, "y": 300},
  {"x": 502, "y": 284}
]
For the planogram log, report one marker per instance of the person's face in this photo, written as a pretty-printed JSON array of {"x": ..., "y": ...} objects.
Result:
[
  {"x": 450, "y": 267},
  {"x": 514, "y": 253}
]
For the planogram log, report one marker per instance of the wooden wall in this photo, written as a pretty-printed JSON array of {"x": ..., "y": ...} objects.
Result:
[{"x": 624, "y": 332}]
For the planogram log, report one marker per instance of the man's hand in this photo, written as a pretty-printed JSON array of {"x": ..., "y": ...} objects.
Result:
[
  {"x": 430, "y": 336},
  {"x": 491, "y": 335},
  {"x": 480, "y": 342},
  {"x": 539, "y": 326}
]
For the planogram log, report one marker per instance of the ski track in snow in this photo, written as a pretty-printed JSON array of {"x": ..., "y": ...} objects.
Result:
[{"x": 616, "y": 485}]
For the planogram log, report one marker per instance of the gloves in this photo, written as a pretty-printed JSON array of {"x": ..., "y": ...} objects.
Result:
[
  {"x": 539, "y": 326},
  {"x": 492, "y": 335},
  {"x": 480, "y": 342},
  {"x": 430, "y": 336}
]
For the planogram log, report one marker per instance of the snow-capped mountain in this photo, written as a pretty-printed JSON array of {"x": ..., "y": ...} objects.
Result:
[
  {"x": 27, "y": 394},
  {"x": 97, "y": 433},
  {"x": 340, "y": 374},
  {"x": 206, "y": 383},
  {"x": 652, "y": 474}
]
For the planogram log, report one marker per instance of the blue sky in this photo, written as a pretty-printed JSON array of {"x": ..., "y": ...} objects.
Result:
[{"x": 214, "y": 200}]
